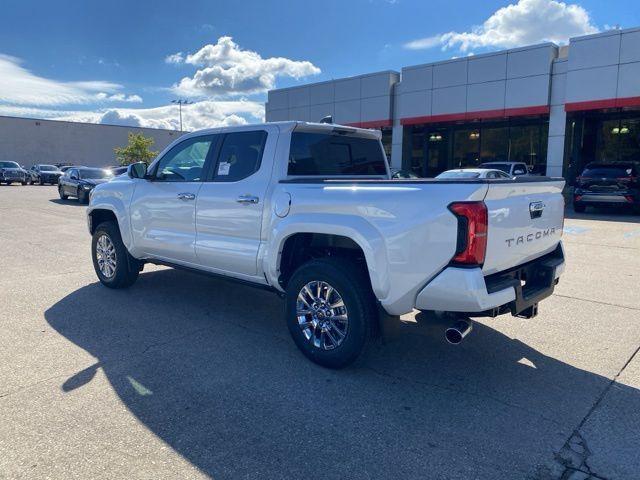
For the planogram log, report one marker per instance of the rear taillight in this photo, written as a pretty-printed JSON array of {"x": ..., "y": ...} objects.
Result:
[
  {"x": 577, "y": 198},
  {"x": 626, "y": 179},
  {"x": 472, "y": 232},
  {"x": 629, "y": 198}
]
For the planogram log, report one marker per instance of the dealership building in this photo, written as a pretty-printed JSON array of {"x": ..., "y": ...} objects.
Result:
[{"x": 554, "y": 108}]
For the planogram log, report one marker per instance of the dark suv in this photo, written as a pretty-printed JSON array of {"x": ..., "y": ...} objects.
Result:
[
  {"x": 608, "y": 184},
  {"x": 44, "y": 174}
]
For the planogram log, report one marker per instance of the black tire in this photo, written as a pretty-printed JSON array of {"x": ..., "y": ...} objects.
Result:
[
  {"x": 127, "y": 268},
  {"x": 63, "y": 196},
  {"x": 81, "y": 196},
  {"x": 23, "y": 183},
  {"x": 351, "y": 281},
  {"x": 40, "y": 182},
  {"x": 579, "y": 208}
]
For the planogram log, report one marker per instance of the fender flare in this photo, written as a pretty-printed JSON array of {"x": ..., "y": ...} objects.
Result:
[{"x": 353, "y": 227}]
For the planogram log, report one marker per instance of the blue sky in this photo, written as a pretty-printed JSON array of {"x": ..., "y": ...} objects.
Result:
[{"x": 123, "y": 61}]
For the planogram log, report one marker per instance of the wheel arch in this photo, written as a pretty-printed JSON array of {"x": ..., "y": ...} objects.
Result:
[{"x": 293, "y": 237}]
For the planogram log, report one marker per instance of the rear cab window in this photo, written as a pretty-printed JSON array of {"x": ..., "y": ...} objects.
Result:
[{"x": 330, "y": 154}]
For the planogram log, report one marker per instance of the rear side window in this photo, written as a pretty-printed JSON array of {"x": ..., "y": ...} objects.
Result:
[
  {"x": 327, "y": 154},
  {"x": 240, "y": 155},
  {"x": 608, "y": 171}
]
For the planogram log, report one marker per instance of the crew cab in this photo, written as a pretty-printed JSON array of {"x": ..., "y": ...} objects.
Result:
[{"x": 310, "y": 211}]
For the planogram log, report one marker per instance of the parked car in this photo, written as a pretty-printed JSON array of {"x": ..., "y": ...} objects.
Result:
[
  {"x": 310, "y": 211},
  {"x": 472, "y": 173},
  {"x": 514, "y": 169},
  {"x": 12, "y": 172},
  {"x": 118, "y": 170},
  {"x": 612, "y": 184},
  {"x": 42, "y": 174},
  {"x": 79, "y": 181},
  {"x": 402, "y": 174},
  {"x": 67, "y": 167}
]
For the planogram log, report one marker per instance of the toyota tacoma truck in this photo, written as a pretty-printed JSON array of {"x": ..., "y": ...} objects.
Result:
[{"x": 311, "y": 212}]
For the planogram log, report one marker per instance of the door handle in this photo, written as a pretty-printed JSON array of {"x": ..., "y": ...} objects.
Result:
[
  {"x": 247, "y": 199},
  {"x": 186, "y": 196}
]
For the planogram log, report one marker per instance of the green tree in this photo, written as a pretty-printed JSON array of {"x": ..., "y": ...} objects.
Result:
[{"x": 137, "y": 150}]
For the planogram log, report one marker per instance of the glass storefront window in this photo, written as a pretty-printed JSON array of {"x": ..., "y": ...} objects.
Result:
[
  {"x": 466, "y": 147},
  {"x": 430, "y": 149},
  {"x": 494, "y": 144}
]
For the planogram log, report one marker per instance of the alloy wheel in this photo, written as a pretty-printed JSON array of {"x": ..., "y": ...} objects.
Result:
[
  {"x": 322, "y": 315},
  {"x": 106, "y": 256}
]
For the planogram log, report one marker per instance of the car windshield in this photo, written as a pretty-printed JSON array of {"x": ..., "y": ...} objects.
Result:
[
  {"x": 607, "y": 171},
  {"x": 95, "y": 173},
  {"x": 505, "y": 167},
  {"x": 458, "y": 175},
  {"x": 9, "y": 165},
  {"x": 48, "y": 168}
]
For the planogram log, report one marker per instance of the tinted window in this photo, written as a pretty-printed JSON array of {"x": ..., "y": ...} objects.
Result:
[
  {"x": 48, "y": 168},
  {"x": 94, "y": 173},
  {"x": 327, "y": 154},
  {"x": 608, "y": 171},
  {"x": 184, "y": 162},
  {"x": 9, "y": 165},
  {"x": 458, "y": 175},
  {"x": 240, "y": 155}
]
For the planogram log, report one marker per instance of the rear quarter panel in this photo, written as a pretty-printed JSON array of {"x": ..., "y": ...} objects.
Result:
[{"x": 404, "y": 228}]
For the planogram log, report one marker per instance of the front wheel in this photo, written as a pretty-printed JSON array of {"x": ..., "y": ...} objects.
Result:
[
  {"x": 63, "y": 196},
  {"x": 113, "y": 264},
  {"x": 330, "y": 311}
]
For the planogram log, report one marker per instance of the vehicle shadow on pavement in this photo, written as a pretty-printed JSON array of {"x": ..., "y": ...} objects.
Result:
[
  {"x": 208, "y": 367},
  {"x": 70, "y": 201}
]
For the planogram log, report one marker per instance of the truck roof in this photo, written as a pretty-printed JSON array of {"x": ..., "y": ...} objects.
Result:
[{"x": 290, "y": 125}]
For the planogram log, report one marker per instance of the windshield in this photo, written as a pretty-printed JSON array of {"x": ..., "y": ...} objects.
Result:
[
  {"x": 95, "y": 173},
  {"x": 458, "y": 175},
  {"x": 505, "y": 167},
  {"x": 607, "y": 171},
  {"x": 48, "y": 168},
  {"x": 9, "y": 165}
]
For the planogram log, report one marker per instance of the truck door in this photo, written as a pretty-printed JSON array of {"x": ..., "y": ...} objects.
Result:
[
  {"x": 230, "y": 204},
  {"x": 163, "y": 205}
]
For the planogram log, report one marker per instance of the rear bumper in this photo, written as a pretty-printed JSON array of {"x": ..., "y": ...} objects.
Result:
[
  {"x": 608, "y": 198},
  {"x": 516, "y": 290}
]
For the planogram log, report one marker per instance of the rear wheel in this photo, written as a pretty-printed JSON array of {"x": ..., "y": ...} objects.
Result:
[
  {"x": 579, "y": 208},
  {"x": 330, "y": 311},
  {"x": 113, "y": 264},
  {"x": 41, "y": 182}
]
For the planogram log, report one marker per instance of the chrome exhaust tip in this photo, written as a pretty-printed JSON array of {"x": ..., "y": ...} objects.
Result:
[{"x": 456, "y": 332}]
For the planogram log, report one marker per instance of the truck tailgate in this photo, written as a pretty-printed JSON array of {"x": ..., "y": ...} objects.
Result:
[{"x": 525, "y": 221}]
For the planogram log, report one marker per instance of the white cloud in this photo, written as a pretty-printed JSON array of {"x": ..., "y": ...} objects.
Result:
[
  {"x": 174, "y": 58},
  {"x": 196, "y": 116},
  {"x": 226, "y": 69},
  {"x": 524, "y": 23},
  {"x": 18, "y": 86},
  {"x": 119, "y": 97}
]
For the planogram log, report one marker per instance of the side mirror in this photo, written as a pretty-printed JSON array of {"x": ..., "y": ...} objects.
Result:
[{"x": 137, "y": 170}]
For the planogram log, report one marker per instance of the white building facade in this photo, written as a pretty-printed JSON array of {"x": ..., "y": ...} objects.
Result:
[{"x": 555, "y": 108}]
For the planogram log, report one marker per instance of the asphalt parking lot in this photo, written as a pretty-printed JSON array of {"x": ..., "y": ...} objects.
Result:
[{"x": 184, "y": 376}]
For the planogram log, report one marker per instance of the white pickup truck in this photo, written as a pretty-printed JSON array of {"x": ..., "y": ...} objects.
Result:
[{"x": 309, "y": 211}]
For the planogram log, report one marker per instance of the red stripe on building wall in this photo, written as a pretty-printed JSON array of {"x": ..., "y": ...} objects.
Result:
[
  {"x": 371, "y": 124},
  {"x": 602, "y": 104},
  {"x": 479, "y": 115}
]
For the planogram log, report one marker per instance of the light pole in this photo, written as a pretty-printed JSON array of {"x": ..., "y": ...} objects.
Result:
[{"x": 181, "y": 102}]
